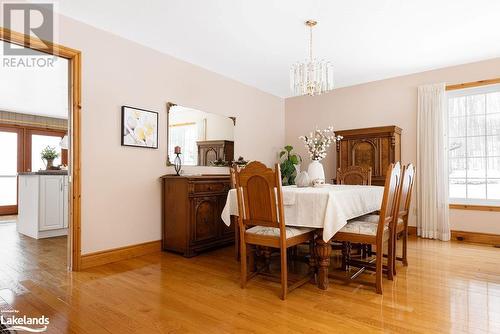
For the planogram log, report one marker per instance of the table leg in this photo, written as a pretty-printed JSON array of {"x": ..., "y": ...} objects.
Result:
[{"x": 323, "y": 252}]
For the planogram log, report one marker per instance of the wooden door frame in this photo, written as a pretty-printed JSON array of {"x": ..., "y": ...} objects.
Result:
[{"x": 74, "y": 58}]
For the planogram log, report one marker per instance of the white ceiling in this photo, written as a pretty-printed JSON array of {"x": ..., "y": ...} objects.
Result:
[
  {"x": 35, "y": 90},
  {"x": 256, "y": 41}
]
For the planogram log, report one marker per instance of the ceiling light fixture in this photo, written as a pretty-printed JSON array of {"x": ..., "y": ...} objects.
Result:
[{"x": 313, "y": 76}]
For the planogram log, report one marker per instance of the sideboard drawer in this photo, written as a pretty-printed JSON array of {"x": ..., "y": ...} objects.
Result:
[{"x": 210, "y": 187}]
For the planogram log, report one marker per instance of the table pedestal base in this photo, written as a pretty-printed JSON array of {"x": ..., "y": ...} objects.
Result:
[{"x": 323, "y": 251}]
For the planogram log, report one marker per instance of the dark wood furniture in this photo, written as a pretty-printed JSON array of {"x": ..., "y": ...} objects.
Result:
[
  {"x": 374, "y": 148},
  {"x": 212, "y": 150},
  {"x": 355, "y": 175},
  {"x": 378, "y": 234},
  {"x": 262, "y": 221},
  {"x": 191, "y": 213}
]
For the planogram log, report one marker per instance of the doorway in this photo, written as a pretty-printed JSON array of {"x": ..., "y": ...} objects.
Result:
[{"x": 74, "y": 131}]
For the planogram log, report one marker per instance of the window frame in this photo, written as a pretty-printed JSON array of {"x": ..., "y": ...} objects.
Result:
[{"x": 465, "y": 90}]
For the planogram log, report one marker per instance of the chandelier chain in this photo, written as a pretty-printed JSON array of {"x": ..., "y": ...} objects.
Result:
[{"x": 311, "y": 42}]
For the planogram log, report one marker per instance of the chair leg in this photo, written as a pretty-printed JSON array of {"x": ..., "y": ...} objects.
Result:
[
  {"x": 405, "y": 247},
  {"x": 312, "y": 261},
  {"x": 243, "y": 264},
  {"x": 267, "y": 256},
  {"x": 378, "y": 267},
  {"x": 395, "y": 255},
  {"x": 251, "y": 259},
  {"x": 284, "y": 274},
  {"x": 390, "y": 260},
  {"x": 237, "y": 243},
  {"x": 344, "y": 256}
]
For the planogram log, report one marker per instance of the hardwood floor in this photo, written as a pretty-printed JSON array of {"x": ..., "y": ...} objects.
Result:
[{"x": 448, "y": 288}]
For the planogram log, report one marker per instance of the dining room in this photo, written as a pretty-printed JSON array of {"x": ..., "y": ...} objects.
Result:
[{"x": 257, "y": 167}]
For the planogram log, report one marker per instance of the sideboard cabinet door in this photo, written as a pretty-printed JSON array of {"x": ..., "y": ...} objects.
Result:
[{"x": 205, "y": 210}]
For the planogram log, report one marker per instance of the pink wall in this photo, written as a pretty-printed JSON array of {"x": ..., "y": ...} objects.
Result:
[
  {"x": 121, "y": 190},
  {"x": 386, "y": 102}
]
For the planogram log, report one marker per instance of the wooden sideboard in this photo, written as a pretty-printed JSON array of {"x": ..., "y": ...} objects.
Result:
[
  {"x": 191, "y": 213},
  {"x": 370, "y": 147},
  {"x": 212, "y": 150}
]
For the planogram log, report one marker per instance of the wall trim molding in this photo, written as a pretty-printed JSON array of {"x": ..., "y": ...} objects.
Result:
[
  {"x": 473, "y": 84},
  {"x": 474, "y": 207},
  {"x": 465, "y": 236},
  {"x": 118, "y": 254}
]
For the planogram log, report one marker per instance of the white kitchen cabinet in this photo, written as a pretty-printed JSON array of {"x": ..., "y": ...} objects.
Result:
[{"x": 43, "y": 205}]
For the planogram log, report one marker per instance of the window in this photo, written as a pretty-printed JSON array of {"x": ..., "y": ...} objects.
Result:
[
  {"x": 8, "y": 169},
  {"x": 184, "y": 135},
  {"x": 38, "y": 143},
  {"x": 474, "y": 145}
]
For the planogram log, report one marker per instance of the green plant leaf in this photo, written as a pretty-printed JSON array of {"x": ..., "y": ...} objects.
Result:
[
  {"x": 294, "y": 159},
  {"x": 282, "y": 153},
  {"x": 288, "y": 148}
]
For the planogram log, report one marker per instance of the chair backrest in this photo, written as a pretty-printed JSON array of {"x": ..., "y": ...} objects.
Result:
[
  {"x": 390, "y": 203},
  {"x": 232, "y": 173},
  {"x": 406, "y": 190},
  {"x": 355, "y": 175},
  {"x": 260, "y": 200}
]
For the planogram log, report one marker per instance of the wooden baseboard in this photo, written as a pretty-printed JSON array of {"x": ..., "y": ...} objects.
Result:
[
  {"x": 119, "y": 254},
  {"x": 480, "y": 238},
  {"x": 464, "y": 236}
]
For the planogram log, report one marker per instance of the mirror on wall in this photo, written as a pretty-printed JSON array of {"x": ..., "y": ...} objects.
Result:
[{"x": 203, "y": 138}]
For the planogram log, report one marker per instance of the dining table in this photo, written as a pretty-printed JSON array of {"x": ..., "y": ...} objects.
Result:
[{"x": 326, "y": 208}]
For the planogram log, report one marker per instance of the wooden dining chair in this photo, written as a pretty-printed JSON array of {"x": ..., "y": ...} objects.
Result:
[
  {"x": 262, "y": 221},
  {"x": 401, "y": 227},
  {"x": 355, "y": 175},
  {"x": 404, "y": 213},
  {"x": 363, "y": 232}
]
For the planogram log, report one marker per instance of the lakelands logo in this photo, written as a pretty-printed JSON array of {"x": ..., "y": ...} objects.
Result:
[
  {"x": 30, "y": 19},
  {"x": 24, "y": 323}
]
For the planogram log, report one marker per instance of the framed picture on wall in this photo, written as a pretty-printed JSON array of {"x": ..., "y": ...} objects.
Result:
[{"x": 139, "y": 127}]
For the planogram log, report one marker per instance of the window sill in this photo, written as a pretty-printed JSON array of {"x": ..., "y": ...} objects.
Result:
[{"x": 475, "y": 207}]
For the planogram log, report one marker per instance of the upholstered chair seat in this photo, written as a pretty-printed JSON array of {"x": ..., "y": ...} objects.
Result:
[
  {"x": 375, "y": 219},
  {"x": 275, "y": 232},
  {"x": 361, "y": 227}
]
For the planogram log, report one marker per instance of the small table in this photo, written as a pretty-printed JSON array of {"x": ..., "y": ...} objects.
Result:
[{"x": 326, "y": 208}]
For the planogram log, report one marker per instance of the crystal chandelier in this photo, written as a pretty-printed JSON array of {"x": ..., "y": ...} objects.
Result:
[{"x": 313, "y": 76}]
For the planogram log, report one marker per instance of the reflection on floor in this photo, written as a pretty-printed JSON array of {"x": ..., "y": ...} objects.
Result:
[
  {"x": 448, "y": 287},
  {"x": 25, "y": 258}
]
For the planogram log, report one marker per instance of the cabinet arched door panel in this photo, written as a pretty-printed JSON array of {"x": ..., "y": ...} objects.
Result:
[{"x": 206, "y": 218}]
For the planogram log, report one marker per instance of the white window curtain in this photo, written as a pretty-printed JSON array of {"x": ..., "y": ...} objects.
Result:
[{"x": 432, "y": 163}]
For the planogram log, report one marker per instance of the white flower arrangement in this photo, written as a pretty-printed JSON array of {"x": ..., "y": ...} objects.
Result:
[{"x": 318, "y": 142}]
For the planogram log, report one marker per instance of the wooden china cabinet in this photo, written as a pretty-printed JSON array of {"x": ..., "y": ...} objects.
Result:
[
  {"x": 191, "y": 213},
  {"x": 212, "y": 150},
  {"x": 370, "y": 147}
]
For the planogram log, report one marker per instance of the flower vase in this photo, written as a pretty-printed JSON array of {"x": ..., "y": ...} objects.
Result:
[
  {"x": 316, "y": 172},
  {"x": 302, "y": 179},
  {"x": 49, "y": 164}
]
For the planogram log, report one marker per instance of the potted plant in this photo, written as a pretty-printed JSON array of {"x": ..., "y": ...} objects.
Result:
[
  {"x": 241, "y": 162},
  {"x": 48, "y": 154},
  {"x": 289, "y": 161}
]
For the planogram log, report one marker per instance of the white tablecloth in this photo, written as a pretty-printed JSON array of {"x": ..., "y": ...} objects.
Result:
[{"x": 328, "y": 207}]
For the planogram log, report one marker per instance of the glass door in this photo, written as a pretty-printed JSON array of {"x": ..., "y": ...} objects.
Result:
[{"x": 10, "y": 164}]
